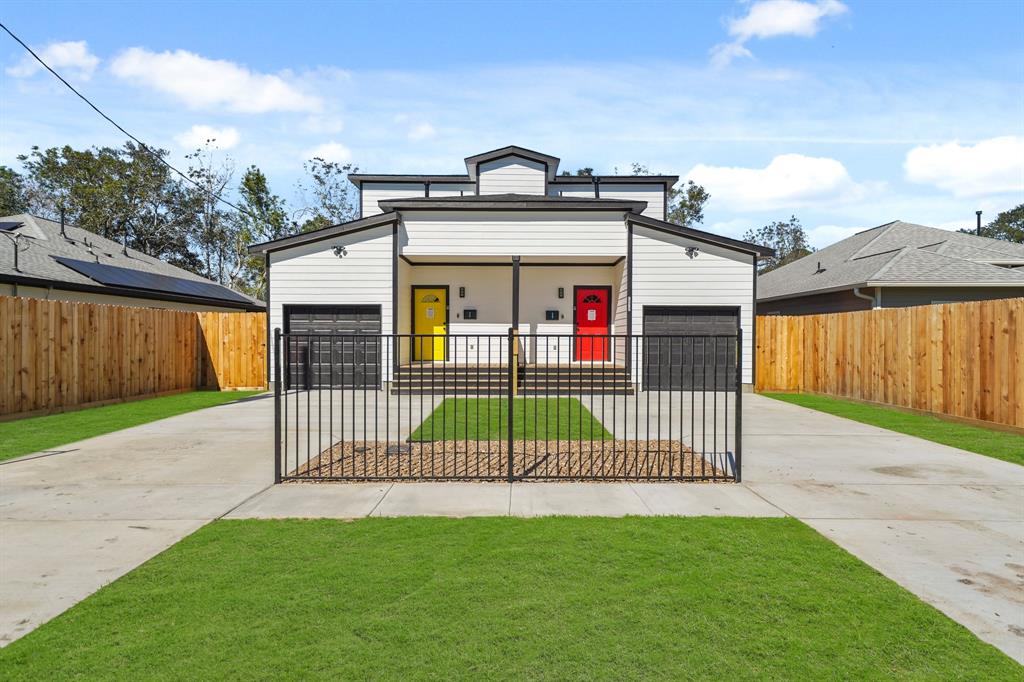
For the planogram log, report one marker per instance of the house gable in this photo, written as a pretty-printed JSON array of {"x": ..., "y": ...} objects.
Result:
[{"x": 512, "y": 175}]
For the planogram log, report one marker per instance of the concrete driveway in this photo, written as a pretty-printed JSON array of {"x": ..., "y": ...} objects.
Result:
[
  {"x": 75, "y": 521},
  {"x": 946, "y": 524}
]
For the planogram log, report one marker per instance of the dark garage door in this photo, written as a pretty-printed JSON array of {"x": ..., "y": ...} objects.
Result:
[
  {"x": 331, "y": 362},
  {"x": 696, "y": 363}
]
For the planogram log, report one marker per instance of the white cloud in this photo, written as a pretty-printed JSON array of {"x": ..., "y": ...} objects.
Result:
[
  {"x": 329, "y": 151},
  {"x": 789, "y": 181},
  {"x": 771, "y": 19},
  {"x": 421, "y": 131},
  {"x": 197, "y": 136},
  {"x": 823, "y": 235},
  {"x": 70, "y": 59},
  {"x": 993, "y": 166},
  {"x": 203, "y": 83},
  {"x": 723, "y": 54}
]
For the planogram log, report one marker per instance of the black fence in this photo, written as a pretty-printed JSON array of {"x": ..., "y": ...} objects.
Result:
[{"x": 507, "y": 407}]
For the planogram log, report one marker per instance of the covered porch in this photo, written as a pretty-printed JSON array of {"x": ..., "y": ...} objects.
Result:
[{"x": 459, "y": 310}]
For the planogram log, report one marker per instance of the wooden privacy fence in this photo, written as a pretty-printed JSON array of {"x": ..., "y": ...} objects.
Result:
[
  {"x": 960, "y": 359},
  {"x": 59, "y": 354}
]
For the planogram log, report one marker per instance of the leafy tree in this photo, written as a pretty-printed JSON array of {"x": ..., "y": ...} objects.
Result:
[
  {"x": 329, "y": 197},
  {"x": 125, "y": 194},
  {"x": 580, "y": 172},
  {"x": 263, "y": 218},
  {"x": 214, "y": 232},
  {"x": 12, "y": 192},
  {"x": 1008, "y": 226},
  {"x": 788, "y": 238},
  {"x": 686, "y": 204}
]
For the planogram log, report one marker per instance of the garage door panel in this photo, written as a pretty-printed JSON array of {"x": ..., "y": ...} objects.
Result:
[
  {"x": 332, "y": 361},
  {"x": 703, "y": 359}
]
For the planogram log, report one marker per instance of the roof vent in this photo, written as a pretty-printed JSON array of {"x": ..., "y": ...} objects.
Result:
[{"x": 820, "y": 269}]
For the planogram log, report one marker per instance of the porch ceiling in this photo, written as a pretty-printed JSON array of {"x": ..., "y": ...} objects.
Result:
[{"x": 421, "y": 259}]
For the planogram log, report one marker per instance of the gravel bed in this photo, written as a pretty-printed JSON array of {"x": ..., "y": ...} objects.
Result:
[{"x": 535, "y": 460}]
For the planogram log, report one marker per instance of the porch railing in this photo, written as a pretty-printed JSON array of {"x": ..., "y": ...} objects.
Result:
[{"x": 507, "y": 407}]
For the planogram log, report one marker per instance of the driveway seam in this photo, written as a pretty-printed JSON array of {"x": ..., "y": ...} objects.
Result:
[
  {"x": 370, "y": 513},
  {"x": 258, "y": 492},
  {"x": 639, "y": 497},
  {"x": 766, "y": 500}
]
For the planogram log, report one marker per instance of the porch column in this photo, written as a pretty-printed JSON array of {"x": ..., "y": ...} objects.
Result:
[
  {"x": 395, "y": 346},
  {"x": 515, "y": 292},
  {"x": 629, "y": 296}
]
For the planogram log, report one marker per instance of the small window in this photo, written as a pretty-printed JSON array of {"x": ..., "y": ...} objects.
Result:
[
  {"x": 430, "y": 298},
  {"x": 592, "y": 298}
]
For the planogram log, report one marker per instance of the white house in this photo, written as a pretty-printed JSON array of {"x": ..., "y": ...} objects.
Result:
[{"x": 513, "y": 244}]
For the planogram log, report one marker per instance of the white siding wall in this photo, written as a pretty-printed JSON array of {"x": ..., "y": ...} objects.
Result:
[
  {"x": 664, "y": 275},
  {"x": 584, "y": 191},
  {"x": 372, "y": 192},
  {"x": 523, "y": 233},
  {"x": 438, "y": 189},
  {"x": 538, "y": 292},
  {"x": 653, "y": 194},
  {"x": 312, "y": 275},
  {"x": 512, "y": 174},
  {"x": 488, "y": 289}
]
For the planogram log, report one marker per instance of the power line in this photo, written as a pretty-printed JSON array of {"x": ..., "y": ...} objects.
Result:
[{"x": 114, "y": 123}]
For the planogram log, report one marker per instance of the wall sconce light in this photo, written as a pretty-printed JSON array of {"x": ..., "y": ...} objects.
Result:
[
  {"x": 692, "y": 251},
  {"x": 561, "y": 292},
  {"x": 339, "y": 251},
  {"x": 462, "y": 292}
]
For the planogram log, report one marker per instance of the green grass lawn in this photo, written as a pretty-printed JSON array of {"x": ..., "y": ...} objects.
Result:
[
  {"x": 533, "y": 419},
  {"x": 990, "y": 442},
  {"x": 24, "y": 436},
  {"x": 554, "y": 598}
]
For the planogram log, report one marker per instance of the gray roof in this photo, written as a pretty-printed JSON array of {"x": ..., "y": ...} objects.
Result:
[
  {"x": 897, "y": 254},
  {"x": 551, "y": 162},
  {"x": 42, "y": 243}
]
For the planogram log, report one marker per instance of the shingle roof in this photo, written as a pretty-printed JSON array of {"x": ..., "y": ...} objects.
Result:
[
  {"x": 896, "y": 253},
  {"x": 43, "y": 243}
]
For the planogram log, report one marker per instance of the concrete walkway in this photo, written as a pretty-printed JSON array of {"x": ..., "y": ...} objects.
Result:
[
  {"x": 353, "y": 500},
  {"x": 75, "y": 521}
]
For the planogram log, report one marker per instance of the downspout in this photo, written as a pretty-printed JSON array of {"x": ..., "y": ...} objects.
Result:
[{"x": 876, "y": 300}]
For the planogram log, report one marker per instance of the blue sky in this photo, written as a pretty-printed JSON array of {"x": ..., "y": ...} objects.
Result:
[{"x": 846, "y": 114}]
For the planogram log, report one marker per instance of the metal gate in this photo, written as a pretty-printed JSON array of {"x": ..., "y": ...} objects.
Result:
[{"x": 509, "y": 407}]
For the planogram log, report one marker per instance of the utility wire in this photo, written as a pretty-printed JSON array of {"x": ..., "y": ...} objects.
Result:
[{"x": 114, "y": 123}]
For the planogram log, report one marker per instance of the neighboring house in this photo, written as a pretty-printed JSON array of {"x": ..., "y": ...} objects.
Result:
[
  {"x": 892, "y": 266},
  {"x": 70, "y": 264},
  {"x": 513, "y": 244}
]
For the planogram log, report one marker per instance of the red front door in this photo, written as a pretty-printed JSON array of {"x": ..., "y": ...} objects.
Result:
[{"x": 592, "y": 308}]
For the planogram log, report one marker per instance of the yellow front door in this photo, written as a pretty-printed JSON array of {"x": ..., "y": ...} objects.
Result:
[{"x": 430, "y": 316}]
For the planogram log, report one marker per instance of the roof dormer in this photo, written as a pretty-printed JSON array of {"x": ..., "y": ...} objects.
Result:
[{"x": 512, "y": 170}]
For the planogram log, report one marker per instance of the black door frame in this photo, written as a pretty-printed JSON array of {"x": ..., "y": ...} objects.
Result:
[
  {"x": 447, "y": 316},
  {"x": 608, "y": 315}
]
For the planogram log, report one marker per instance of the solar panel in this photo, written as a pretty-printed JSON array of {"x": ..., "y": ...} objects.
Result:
[
  {"x": 112, "y": 275},
  {"x": 7, "y": 226}
]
